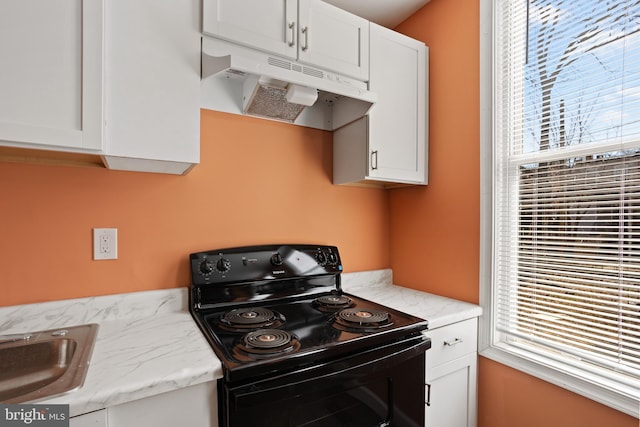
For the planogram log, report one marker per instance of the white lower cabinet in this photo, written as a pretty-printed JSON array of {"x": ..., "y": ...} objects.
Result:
[
  {"x": 92, "y": 419},
  {"x": 194, "y": 406},
  {"x": 451, "y": 375}
]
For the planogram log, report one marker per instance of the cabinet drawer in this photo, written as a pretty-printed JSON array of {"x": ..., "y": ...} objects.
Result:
[{"x": 452, "y": 341}]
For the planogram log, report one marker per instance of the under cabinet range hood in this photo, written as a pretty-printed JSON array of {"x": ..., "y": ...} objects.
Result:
[{"x": 241, "y": 80}]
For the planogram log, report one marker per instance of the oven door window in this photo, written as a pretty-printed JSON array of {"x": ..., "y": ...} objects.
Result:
[{"x": 362, "y": 404}]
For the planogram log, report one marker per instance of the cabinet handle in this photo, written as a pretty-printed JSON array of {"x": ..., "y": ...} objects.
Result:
[
  {"x": 453, "y": 342},
  {"x": 374, "y": 160},
  {"x": 428, "y": 402},
  {"x": 305, "y": 31},
  {"x": 292, "y": 27}
]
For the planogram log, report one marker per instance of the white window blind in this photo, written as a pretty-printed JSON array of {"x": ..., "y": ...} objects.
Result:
[{"x": 566, "y": 281}]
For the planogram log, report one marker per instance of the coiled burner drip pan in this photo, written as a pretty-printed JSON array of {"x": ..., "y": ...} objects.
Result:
[
  {"x": 268, "y": 342},
  {"x": 250, "y": 318},
  {"x": 333, "y": 302},
  {"x": 362, "y": 320}
]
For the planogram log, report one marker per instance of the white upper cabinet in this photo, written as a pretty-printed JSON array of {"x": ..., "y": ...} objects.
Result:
[
  {"x": 51, "y": 74},
  {"x": 332, "y": 38},
  {"x": 397, "y": 138},
  {"x": 389, "y": 146},
  {"x": 119, "y": 79},
  {"x": 152, "y": 86},
  {"x": 269, "y": 25},
  {"x": 309, "y": 31}
]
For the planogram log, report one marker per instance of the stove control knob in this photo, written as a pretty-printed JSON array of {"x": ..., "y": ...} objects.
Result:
[
  {"x": 206, "y": 267},
  {"x": 276, "y": 259},
  {"x": 223, "y": 265},
  {"x": 333, "y": 259},
  {"x": 321, "y": 258}
]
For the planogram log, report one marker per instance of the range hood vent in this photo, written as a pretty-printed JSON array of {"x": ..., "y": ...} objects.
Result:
[
  {"x": 240, "y": 80},
  {"x": 276, "y": 99},
  {"x": 271, "y": 102}
]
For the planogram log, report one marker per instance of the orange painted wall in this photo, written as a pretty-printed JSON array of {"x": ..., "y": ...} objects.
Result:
[
  {"x": 509, "y": 398},
  {"x": 435, "y": 230},
  {"x": 258, "y": 182}
]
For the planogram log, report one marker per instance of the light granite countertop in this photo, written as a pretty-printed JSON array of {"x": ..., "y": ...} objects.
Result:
[
  {"x": 439, "y": 311},
  {"x": 148, "y": 343}
]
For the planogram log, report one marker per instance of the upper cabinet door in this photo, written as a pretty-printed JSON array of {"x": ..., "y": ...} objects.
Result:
[
  {"x": 51, "y": 74},
  {"x": 311, "y": 31},
  {"x": 152, "y": 87},
  {"x": 398, "y": 120},
  {"x": 269, "y": 25},
  {"x": 333, "y": 39}
]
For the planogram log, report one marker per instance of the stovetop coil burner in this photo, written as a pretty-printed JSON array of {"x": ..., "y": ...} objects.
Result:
[
  {"x": 333, "y": 302},
  {"x": 243, "y": 319},
  {"x": 268, "y": 342},
  {"x": 362, "y": 320},
  {"x": 267, "y": 338}
]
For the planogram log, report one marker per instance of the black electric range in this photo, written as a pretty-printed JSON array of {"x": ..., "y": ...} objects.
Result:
[{"x": 277, "y": 318}]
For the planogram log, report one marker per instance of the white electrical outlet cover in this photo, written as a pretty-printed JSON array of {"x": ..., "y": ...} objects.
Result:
[{"x": 105, "y": 243}]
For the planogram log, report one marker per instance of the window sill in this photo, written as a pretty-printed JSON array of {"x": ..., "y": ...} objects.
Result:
[{"x": 618, "y": 397}]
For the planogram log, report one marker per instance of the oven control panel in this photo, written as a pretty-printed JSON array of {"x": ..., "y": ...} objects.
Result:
[{"x": 266, "y": 262}]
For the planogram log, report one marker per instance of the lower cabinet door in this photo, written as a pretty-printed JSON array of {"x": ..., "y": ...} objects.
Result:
[
  {"x": 451, "y": 394},
  {"x": 194, "y": 406},
  {"x": 92, "y": 419}
]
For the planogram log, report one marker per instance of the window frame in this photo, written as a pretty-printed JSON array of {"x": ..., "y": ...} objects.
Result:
[{"x": 561, "y": 374}]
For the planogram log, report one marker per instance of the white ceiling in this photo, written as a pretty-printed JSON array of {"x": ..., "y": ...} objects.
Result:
[{"x": 388, "y": 13}]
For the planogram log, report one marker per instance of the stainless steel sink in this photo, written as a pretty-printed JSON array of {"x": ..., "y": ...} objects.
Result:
[{"x": 43, "y": 364}]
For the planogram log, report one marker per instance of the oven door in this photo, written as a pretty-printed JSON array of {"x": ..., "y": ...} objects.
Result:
[{"x": 378, "y": 387}]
